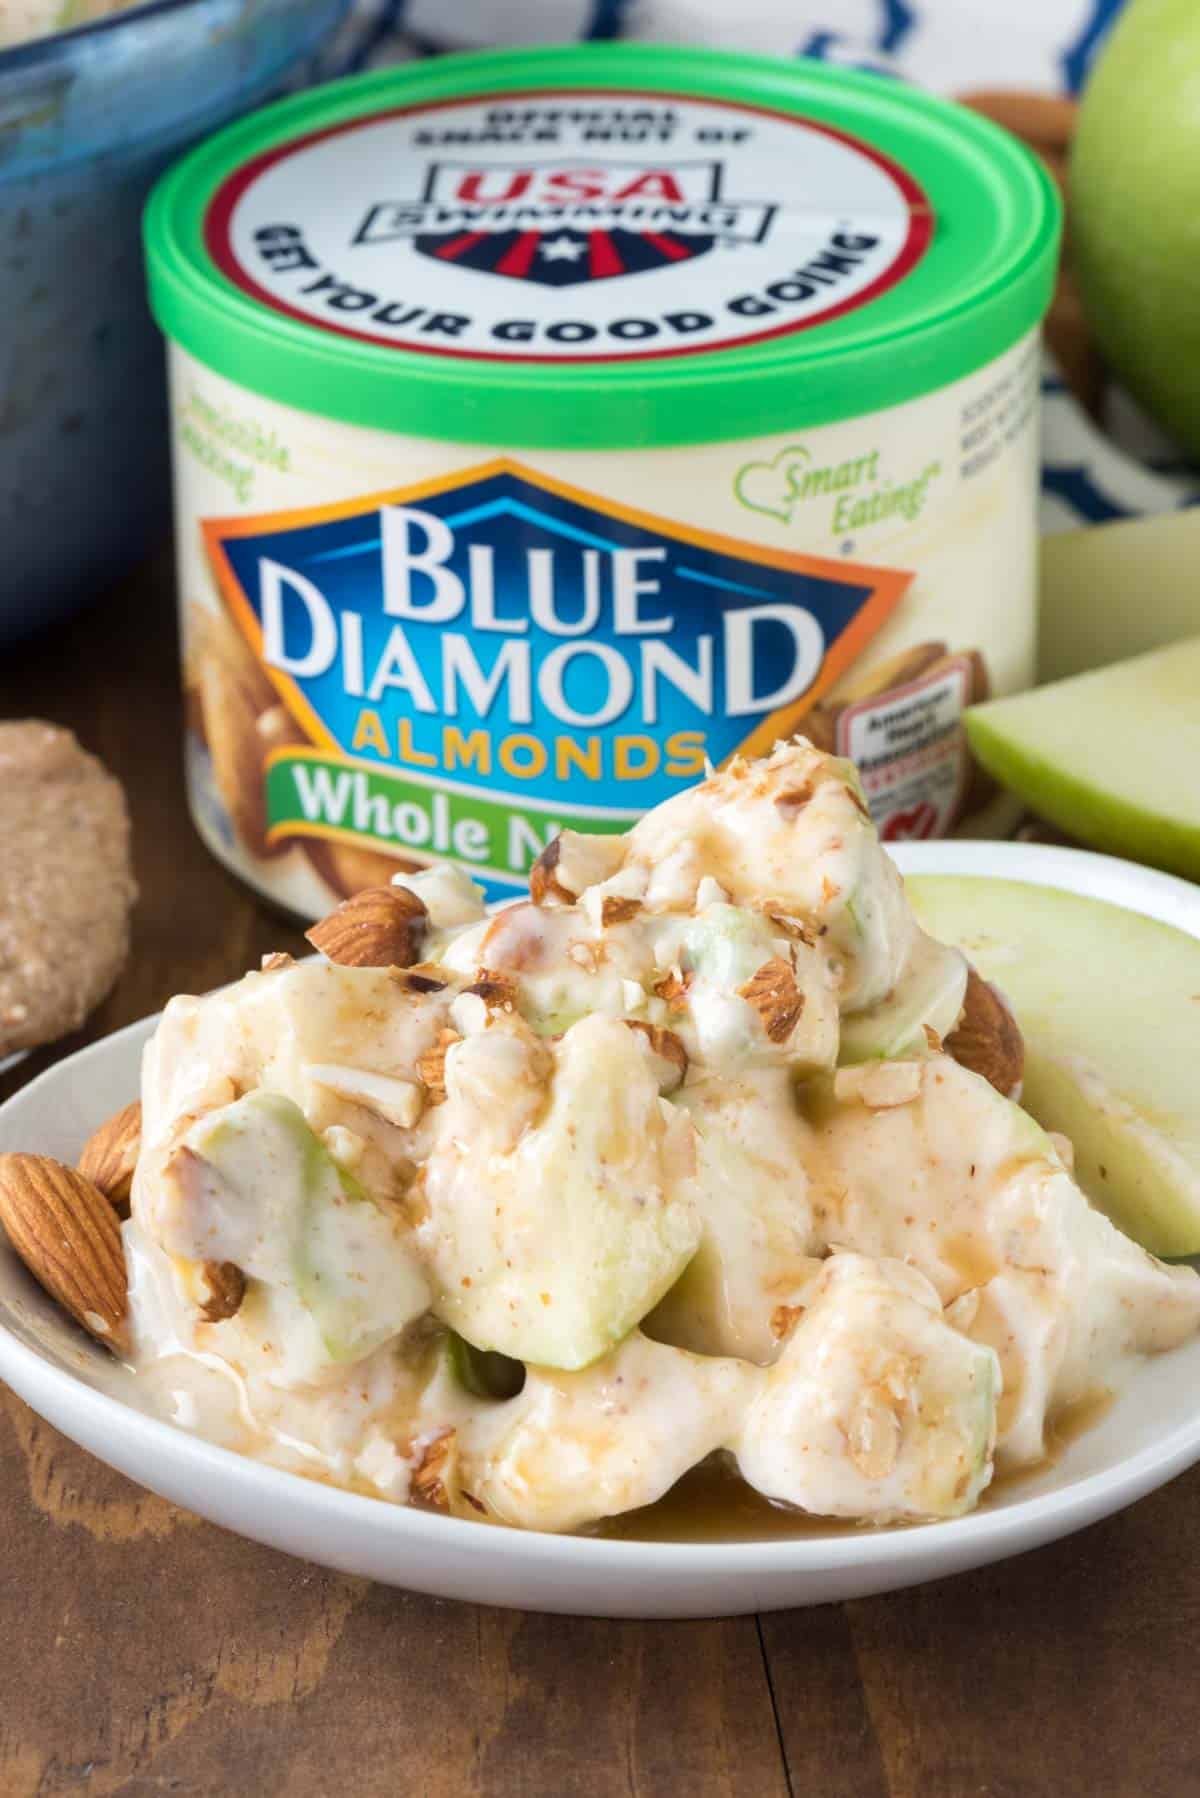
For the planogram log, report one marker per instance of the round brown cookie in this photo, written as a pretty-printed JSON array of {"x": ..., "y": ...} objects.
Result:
[{"x": 66, "y": 886}]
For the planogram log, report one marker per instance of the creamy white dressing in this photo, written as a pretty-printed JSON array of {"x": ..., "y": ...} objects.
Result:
[{"x": 606, "y": 1135}]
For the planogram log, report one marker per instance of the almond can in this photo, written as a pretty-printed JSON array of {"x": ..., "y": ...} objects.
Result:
[{"x": 550, "y": 425}]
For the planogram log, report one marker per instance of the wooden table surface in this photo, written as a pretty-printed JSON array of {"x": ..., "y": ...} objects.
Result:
[{"x": 144, "y": 1652}]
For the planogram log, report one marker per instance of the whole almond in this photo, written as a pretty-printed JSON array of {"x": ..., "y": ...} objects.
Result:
[
  {"x": 382, "y": 927},
  {"x": 110, "y": 1155},
  {"x": 1043, "y": 121},
  {"x": 987, "y": 1038},
  {"x": 67, "y": 1234}
]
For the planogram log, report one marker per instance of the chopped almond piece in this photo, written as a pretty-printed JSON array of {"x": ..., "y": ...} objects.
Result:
[
  {"x": 795, "y": 798},
  {"x": 496, "y": 988},
  {"x": 615, "y": 910},
  {"x": 431, "y": 1066},
  {"x": 429, "y": 1477},
  {"x": 666, "y": 1047},
  {"x": 224, "y": 1287},
  {"x": 773, "y": 993},
  {"x": 782, "y": 1319},
  {"x": 545, "y": 888},
  {"x": 672, "y": 987}
]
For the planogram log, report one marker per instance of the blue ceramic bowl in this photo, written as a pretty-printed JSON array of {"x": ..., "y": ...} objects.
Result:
[{"x": 88, "y": 120}]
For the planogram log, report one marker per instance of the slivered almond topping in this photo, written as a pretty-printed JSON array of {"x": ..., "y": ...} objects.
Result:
[
  {"x": 987, "y": 1038},
  {"x": 773, "y": 993},
  {"x": 614, "y": 910},
  {"x": 667, "y": 1049},
  {"x": 431, "y": 1066},
  {"x": 782, "y": 1319},
  {"x": 275, "y": 963},
  {"x": 381, "y": 927},
  {"x": 67, "y": 1234},
  {"x": 224, "y": 1287},
  {"x": 110, "y": 1155},
  {"x": 429, "y": 1477},
  {"x": 672, "y": 987},
  {"x": 932, "y": 1040}
]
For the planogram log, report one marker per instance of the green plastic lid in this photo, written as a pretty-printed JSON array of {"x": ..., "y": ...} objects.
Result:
[{"x": 602, "y": 247}]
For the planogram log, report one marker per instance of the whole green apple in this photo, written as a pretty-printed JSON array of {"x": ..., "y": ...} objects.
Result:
[{"x": 1135, "y": 208}]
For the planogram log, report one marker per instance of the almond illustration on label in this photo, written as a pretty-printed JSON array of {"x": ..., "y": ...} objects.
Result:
[
  {"x": 349, "y": 869},
  {"x": 238, "y": 715}
]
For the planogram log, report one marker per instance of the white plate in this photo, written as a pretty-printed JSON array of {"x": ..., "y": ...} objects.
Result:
[{"x": 1150, "y": 1434}]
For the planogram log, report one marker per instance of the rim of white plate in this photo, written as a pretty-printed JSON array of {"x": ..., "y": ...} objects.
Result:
[{"x": 1155, "y": 895}]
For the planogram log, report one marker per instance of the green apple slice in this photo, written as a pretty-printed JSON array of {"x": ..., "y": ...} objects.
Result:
[
  {"x": 1109, "y": 1002},
  {"x": 549, "y": 1248},
  {"x": 1110, "y": 757}
]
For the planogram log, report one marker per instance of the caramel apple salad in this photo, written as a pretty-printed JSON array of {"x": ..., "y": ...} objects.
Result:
[{"x": 705, "y": 1149}]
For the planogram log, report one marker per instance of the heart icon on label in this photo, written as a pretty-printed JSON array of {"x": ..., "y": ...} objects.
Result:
[{"x": 918, "y": 822}]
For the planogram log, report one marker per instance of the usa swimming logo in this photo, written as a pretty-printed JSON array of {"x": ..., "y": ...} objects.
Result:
[{"x": 558, "y": 224}]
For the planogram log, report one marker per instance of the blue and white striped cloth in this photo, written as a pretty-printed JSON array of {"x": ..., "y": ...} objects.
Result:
[{"x": 943, "y": 44}]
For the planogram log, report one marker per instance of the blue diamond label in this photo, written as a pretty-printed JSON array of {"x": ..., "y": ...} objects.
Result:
[{"x": 474, "y": 663}]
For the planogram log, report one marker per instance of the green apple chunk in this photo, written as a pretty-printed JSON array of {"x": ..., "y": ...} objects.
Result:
[
  {"x": 258, "y": 1188},
  {"x": 1109, "y": 1002},
  {"x": 1110, "y": 757},
  {"x": 928, "y": 995},
  {"x": 877, "y": 1408},
  {"x": 548, "y": 1243},
  {"x": 759, "y": 1235}
]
